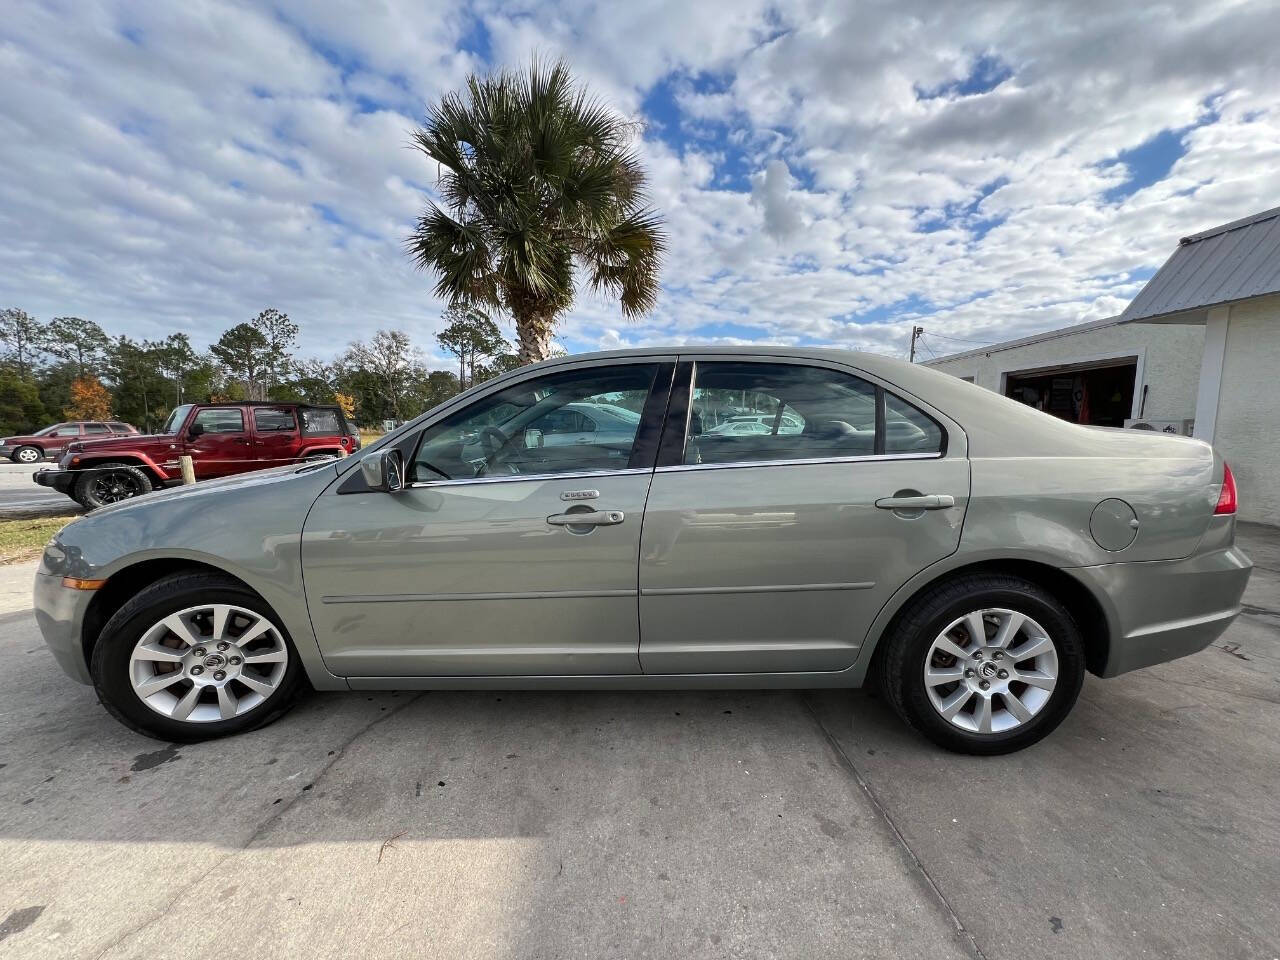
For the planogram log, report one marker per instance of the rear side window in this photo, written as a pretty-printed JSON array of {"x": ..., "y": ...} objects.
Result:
[
  {"x": 908, "y": 429},
  {"x": 320, "y": 421},
  {"x": 744, "y": 412},
  {"x": 120, "y": 427},
  {"x": 96, "y": 429},
  {"x": 273, "y": 420},
  {"x": 220, "y": 420}
]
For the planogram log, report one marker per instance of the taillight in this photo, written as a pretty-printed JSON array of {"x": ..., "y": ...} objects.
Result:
[{"x": 1227, "y": 498}]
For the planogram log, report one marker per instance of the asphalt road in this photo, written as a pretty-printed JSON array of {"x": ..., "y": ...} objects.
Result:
[
  {"x": 666, "y": 825},
  {"x": 21, "y": 496}
]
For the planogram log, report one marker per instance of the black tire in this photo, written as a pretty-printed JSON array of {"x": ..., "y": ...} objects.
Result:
[
  {"x": 901, "y": 661},
  {"x": 16, "y": 456},
  {"x": 109, "y": 664},
  {"x": 109, "y": 483}
]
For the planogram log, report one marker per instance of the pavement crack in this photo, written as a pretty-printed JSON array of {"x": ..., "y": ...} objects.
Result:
[
  {"x": 258, "y": 831},
  {"x": 916, "y": 866}
]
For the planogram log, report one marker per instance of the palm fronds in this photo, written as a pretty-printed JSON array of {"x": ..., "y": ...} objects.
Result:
[{"x": 537, "y": 179}]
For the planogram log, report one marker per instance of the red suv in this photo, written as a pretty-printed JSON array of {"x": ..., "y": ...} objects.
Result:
[
  {"x": 221, "y": 439},
  {"x": 51, "y": 441}
]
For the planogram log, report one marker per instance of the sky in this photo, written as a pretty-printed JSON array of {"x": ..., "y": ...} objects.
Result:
[{"x": 830, "y": 172}]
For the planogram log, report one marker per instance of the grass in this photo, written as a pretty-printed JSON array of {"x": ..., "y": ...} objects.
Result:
[
  {"x": 368, "y": 436},
  {"x": 24, "y": 539}
]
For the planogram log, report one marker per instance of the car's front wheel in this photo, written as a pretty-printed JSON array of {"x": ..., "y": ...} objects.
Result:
[
  {"x": 110, "y": 483},
  {"x": 984, "y": 664},
  {"x": 27, "y": 455},
  {"x": 195, "y": 656}
]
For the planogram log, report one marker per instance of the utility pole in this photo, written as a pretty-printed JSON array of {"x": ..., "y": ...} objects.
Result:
[{"x": 916, "y": 333}]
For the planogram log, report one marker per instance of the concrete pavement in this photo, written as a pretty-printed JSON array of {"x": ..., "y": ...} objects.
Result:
[{"x": 735, "y": 824}]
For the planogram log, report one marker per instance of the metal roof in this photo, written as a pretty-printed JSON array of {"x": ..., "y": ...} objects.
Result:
[{"x": 1235, "y": 261}]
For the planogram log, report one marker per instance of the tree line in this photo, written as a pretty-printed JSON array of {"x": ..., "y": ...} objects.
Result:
[{"x": 70, "y": 368}]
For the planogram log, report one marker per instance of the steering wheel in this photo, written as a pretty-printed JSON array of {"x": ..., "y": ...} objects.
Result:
[{"x": 493, "y": 442}]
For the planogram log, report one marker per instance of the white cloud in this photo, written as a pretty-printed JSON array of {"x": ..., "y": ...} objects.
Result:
[{"x": 829, "y": 172}]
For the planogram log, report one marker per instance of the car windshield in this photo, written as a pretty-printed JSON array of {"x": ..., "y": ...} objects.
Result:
[
  {"x": 46, "y": 431},
  {"x": 176, "y": 419}
]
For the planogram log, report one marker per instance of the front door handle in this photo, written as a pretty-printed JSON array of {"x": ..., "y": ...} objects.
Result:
[
  {"x": 927, "y": 501},
  {"x": 587, "y": 518}
]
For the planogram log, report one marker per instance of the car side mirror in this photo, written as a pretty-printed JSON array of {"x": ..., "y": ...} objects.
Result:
[
  {"x": 197, "y": 430},
  {"x": 384, "y": 470}
]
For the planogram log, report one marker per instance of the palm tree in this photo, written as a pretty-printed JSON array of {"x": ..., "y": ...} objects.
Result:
[{"x": 538, "y": 179}]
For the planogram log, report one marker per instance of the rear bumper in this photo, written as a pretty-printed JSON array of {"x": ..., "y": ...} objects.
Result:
[
  {"x": 60, "y": 480},
  {"x": 1166, "y": 609}
]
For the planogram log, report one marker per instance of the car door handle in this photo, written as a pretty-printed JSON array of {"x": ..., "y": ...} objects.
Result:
[
  {"x": 587, "y": 518},
  {"x": 928, "y": 501}
]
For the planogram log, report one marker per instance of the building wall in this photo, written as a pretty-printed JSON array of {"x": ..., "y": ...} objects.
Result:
[
  {"x": 1247, "y": 430},
  {"x": 1168, "y": 361}
]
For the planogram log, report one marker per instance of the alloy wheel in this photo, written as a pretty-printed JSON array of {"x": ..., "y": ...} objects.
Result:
[
  {"x": 211, "y": 662},
  {"x": 28, "y": 455},
  {"x": 115, "y": 487},
  {"x": 991, "y": 671}
]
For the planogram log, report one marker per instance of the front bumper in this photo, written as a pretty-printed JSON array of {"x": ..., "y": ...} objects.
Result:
[
  {"x": 1166, "y": 609},
  {"x": 60, "y": 616},
  {"x": 60, "y": 480}
]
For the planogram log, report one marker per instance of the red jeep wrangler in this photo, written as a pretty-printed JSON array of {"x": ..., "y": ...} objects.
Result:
[{"x": 221, "y": 438}]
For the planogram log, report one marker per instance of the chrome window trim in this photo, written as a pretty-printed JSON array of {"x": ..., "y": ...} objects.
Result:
[
  {"x": 514, "y": 478},
  {"x": 810, "y": 461}
]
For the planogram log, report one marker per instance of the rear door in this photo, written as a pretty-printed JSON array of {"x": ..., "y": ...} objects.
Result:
[
  {"x": 275, "y": 435},
  {"x": 221, "y": 445},
  {"x": 774, "y": 552}
]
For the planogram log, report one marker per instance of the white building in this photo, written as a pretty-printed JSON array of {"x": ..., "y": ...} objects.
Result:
[
  {"x": 1105, "y": 373},
  {"x": 1197, "y": 351}
]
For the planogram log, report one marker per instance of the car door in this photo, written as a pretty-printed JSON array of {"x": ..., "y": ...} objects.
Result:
[
  {"x": 62, "y": 435},
  {"x": 503, "y": 556},
  {"x": 774, "y": 552},
  {"x": 275, "y": 436},
  {"x": 217, "y": 440}
]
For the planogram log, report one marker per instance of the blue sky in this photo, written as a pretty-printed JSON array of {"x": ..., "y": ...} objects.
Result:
[{"x": 830, "y": 174}]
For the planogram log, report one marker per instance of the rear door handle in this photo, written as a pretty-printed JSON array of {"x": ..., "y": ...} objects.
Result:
[
  {"x": 928, "y": 501},
  {"x": 587, "y": 518}
]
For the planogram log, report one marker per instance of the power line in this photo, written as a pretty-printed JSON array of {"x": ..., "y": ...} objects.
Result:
[{"x": 943, "y": 336}]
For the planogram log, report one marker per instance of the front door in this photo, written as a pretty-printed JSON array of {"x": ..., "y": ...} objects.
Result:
[
  {"x": 505, "y": 556},
  {"x": 220, "y": 443},
  {"x": 773, "y": 551}
]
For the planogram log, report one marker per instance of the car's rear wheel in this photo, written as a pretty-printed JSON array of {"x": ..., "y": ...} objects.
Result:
[
  {"x": 193, "y": 657},
  {"x": 27, "y": 455},
  {"x": 110, "y": 483},
  {"x": 984, "y": 664}
]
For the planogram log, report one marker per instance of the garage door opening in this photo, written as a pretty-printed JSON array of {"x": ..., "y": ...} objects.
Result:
[{"x": 1099, "y": 394}]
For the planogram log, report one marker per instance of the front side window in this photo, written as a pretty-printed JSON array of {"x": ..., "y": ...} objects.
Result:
[
  {"x": 579, "y": 421},
  {"x": 745, "y": 412},
  {"x": 70, "y": 430},
  {"x": 220, "y": 420},
  {"x": 273, "y": 420}
]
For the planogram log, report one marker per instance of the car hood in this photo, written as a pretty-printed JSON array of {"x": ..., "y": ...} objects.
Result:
[
  {"x": 224, "y": 487},
  {"x": 126, "y": 441}
]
